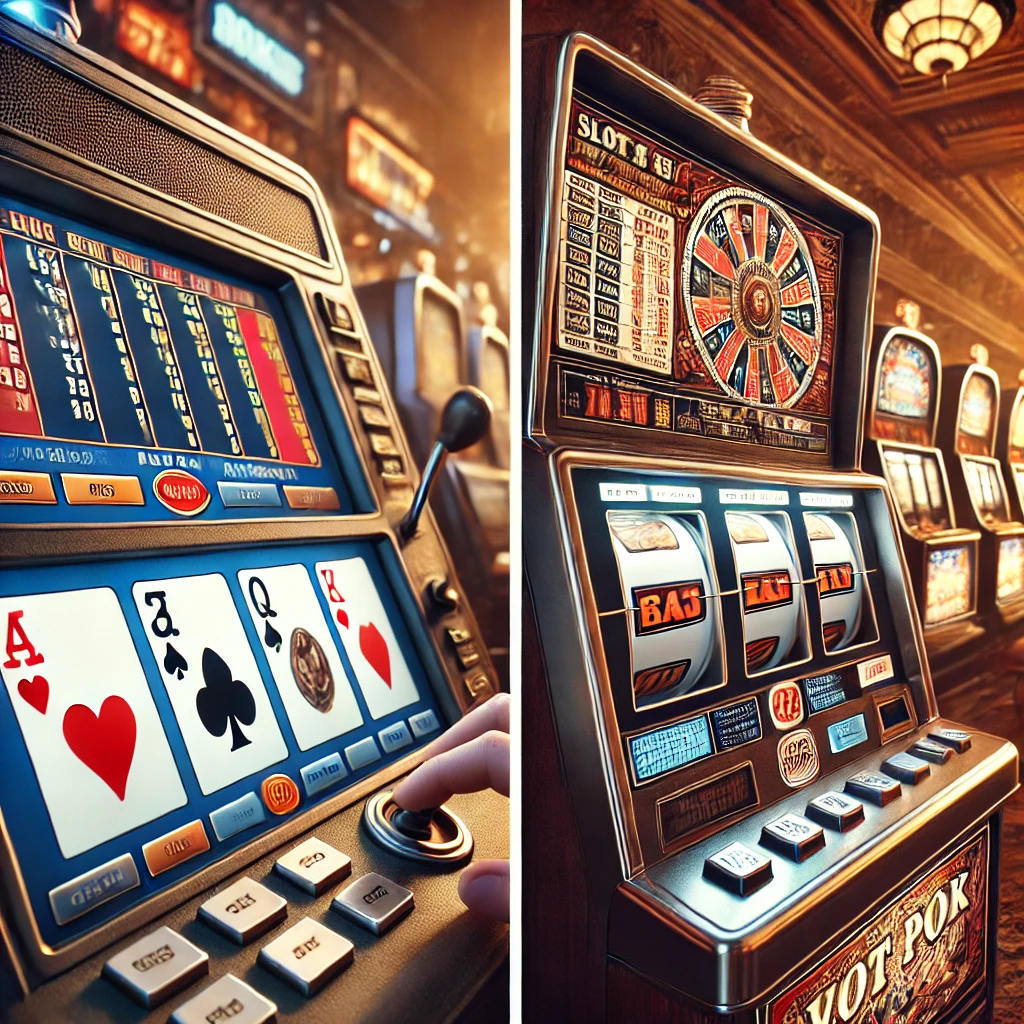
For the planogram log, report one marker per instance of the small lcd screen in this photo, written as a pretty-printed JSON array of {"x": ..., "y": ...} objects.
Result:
[
  {"x": 824, "y": 692},
  {"x": 848, "y": 733},
  {"x": 949, "y": 584},
  {"x": 893, "y": 714},
  {"x": 1010, "y": 575},
  {"x": 721, "y": 797},
  {"x": 736, "y": 724},
  {"x": 439, "y": 348},
  {"x": 905, "y": 380},
  {"x": 665, "y": 750}
]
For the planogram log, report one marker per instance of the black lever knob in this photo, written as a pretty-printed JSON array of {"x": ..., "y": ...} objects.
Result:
[
  {"x": 414, "y": 824},
  {"x": 464, "y": 420}
]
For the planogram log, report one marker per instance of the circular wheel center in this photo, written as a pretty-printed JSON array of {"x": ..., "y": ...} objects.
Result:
[{"x": 757, "y": 305}]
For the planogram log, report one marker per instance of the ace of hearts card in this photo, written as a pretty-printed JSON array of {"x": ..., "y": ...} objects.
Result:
[
  {"x": 381, "y": 672},
  {"x": 214, "y": 685},
  {"x": 87, "y": 716},
  {"x": 314, "y": 687}
]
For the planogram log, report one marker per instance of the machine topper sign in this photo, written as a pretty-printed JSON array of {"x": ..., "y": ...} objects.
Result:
[{"x": 913, "y": 962}]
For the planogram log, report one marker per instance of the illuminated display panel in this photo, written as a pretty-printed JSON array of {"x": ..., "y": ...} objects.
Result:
[
  {"x": 688, "y": 302},
  {"x": 918, "y": 485},
  {"x": 949, "y": 584},
  {"x": 1016, "y": 452},
  {"x": 977, "y": 415},
  {"x": 665, "y": 750},
  {"x": 1010, "y": 571},
  {"x": 121, "y": 360},
  {"x": 985, "y": 484},
  {"x": 439, "y": 348},
  {"x": 905, "y": 392}
]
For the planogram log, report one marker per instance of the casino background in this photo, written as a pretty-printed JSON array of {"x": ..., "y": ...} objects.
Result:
[{"x": 940, "y": 166}]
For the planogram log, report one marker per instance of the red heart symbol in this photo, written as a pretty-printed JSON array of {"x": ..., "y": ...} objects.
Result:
[
  {"x": 375, "y": 650},
  {"x": 35, "y": 692},
  {"x": 105, "y": 743}
]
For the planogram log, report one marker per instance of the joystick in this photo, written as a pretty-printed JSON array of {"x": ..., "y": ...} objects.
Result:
[
  {"x": 464, "y": 421},
  {"x": 433, "y": 835}
]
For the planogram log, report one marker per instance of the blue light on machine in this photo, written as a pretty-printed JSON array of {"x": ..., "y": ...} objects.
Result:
[
  {"x": 243, "y": 40},
  {"x": 60, "y": 19}
]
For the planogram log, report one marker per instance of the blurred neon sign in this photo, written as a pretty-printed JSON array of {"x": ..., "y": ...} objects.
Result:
[
  {"x": 156, "y": 40},
  {"x": 236, "y": 34}
]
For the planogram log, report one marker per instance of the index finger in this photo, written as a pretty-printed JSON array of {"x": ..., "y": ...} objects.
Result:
[
  {"x": 492, "y": 715},
  {"x": 482, "y": 763}
]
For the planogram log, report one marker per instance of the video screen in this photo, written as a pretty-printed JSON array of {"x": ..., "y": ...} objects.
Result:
[
  {"x": 144, "y": 699},
  {"x": 918, "y": 486},
  {"x": 985, "y": 484},
  {"x": 949, "y": 584},
  {"x": 129, "y": 361},
  {"x": 977, "y": 414},
  {"x": 905, "y": 380},
  {"x": 1010, "y": 570}
]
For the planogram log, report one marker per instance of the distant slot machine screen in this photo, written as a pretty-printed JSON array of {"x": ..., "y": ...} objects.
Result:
[
  {"x": 439, "y": 348},
  {"x": 949, "y": 584},
  {"x": 916, "y": 481},
  {"x": 985, "y": 483},
  {"x": 494, "y": 373},
  {"x": 977, "y": 415},
  {"x": 1010, "y": 571},
  {"x": 133, "y": 376},
  {"x": 687, "y": 301},
  {"x": 905, "y": 392}
]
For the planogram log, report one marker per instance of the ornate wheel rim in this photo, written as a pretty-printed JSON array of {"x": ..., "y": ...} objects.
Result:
[{"x": 751, "y": 297}]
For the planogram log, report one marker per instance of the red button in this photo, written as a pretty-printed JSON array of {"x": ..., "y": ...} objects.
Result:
[
  {"x": 280, "y": 794},
  {"x": 181, "y": 492}
]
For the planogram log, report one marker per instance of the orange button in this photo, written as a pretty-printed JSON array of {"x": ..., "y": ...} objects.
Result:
[
  {"x": 26, "y": 488},
  {"x": 324, "y": 498},
  {"x": 89, "y": 489},
  {"x": 280, "y": 794},
  {"x": 164, "y": 853}
]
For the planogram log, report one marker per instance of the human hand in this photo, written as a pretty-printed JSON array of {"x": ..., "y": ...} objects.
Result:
[{"x": 472, "y": 755}]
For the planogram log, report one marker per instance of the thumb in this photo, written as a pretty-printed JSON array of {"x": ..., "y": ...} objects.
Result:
[{"x": 484, "y": 887}]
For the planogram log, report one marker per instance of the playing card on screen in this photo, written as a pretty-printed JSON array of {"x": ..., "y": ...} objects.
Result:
[
  {"x": 381, "y": 671},
  {"x": 316, "y": 693},
  {"x": 87, "y": 716},
  {"x": 211, "y": 677}
]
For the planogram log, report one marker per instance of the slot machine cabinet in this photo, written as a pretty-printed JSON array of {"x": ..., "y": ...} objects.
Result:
[
  {"x": 489, "y": 371},
  {"x": 1010, "y": 446},
  {"x": 418, "y": 326},
  {"x": 740, "y": 791},
  {"x": 968, "y": 422},
  {"x": 903, "y": 409},
  {"x": 217, "y": 652}
]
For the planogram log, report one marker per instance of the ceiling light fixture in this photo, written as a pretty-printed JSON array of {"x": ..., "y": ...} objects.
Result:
[{"x": 939, "y": 37}]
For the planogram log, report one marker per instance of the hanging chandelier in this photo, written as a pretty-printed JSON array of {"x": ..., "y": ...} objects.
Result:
[{"x": 939, "y": 37}]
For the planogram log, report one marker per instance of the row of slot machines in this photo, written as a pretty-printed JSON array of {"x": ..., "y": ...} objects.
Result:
[
  {"x": 228, "y": 619},
  {"x": 740, "y": 781},
  {"x": 949, "y": 444}
]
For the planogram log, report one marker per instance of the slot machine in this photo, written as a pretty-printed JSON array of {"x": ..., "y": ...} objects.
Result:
[
  {"x": 903, "y": 410},
  {"x": 968, "y": 422},
  {"x": 222, "y": 638},
  {"x": 743, "y": 803},
  {"x": 489, "y": 371},
  {"x": 1010, "y": 446},
  {"x": 418, "y": 327}
]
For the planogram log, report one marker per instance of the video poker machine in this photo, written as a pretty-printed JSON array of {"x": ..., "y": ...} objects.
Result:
[
  {"x": 968, "y": 423},
  {"x": 1010, "y": 446},
  {"x": 222, "y": 638},
  {"x": 744, "y": 805},
  {"x": 902, "y": 417}
]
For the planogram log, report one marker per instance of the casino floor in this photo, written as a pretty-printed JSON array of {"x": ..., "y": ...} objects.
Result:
[{"x": 988, "y": 703}]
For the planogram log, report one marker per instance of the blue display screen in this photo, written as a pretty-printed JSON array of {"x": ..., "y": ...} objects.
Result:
[
  {"x": 664, "y": 750},
  {"x": 847, "y": 733},
  {"x": 119, "y": 363},
  {"x": 211, "y": 695},
  {"x": 736, "y": 724}
]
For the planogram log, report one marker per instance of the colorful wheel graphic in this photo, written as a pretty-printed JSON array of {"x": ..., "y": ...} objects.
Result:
[{"x": 751, "y": 298}]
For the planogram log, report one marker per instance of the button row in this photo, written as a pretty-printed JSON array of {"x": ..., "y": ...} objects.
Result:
[
  {"x": 184, "y": 494},
  {"x": 306, "y": 955},
  {"x": 797, "y": 837},
  {"x": 280, "y": 795}
]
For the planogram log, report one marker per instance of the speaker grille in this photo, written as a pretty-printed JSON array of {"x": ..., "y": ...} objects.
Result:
[{"x": 42, "y": 101}]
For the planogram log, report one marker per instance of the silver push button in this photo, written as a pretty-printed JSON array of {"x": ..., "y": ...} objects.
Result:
[
  {"x": 81, "y": 894},
  {"x": 878, "y": 789},
  {"x": 156, "y": 966},
  {"x": 929, "y": 750},
  {"x": 738, "y": 869},
  {"x": 794, "y": 836},
  {"x": 906, "y": 768},
  {"x": 244, "y": 911},
  {"x": 307, "y": 956},
  {"x": 959, "y": 740},
  {"x": 836, "y": 811},
  {"x": 314, "y": 866},
  {"x": 373, "y": 901},
  {"x": 227, "y": 999}
]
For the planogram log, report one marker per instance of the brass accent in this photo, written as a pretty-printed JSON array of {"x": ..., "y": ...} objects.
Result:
[
  {"x": 18, "y": 488},
  {"x": 324, "y": 499},
  {"x": 92, "y": 489},
  {"x": 727, "y": 98}
]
